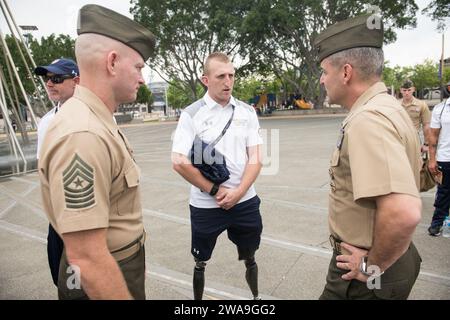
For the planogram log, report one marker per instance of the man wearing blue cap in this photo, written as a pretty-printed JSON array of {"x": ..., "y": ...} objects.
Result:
[{"x": 60, "y": 78}]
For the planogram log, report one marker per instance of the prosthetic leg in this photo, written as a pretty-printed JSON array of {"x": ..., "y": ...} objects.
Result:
[
  {"x": 251, "y": 274},
  {"x": 199, "y": 279}
]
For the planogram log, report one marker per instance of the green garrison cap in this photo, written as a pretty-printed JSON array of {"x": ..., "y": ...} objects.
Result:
[
  {"x": 100, "y": 20},
  {"x": 407, "y": 84},
  {"x": 361, "y": 31}
]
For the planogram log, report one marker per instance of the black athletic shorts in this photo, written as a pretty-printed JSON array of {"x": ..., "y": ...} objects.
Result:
[{"x": 243, "y": 223}]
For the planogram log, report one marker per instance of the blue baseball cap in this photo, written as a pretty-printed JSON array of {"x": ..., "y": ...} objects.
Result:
[{"x": 61, "y": 66}]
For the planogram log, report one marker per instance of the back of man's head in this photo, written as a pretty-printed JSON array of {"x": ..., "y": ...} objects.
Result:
[
  {"x": 91, "y": 49},
  {"x": 368, "y": 62}
]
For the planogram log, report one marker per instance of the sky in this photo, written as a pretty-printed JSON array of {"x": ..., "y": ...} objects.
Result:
[{"x": 412, "y": 47}]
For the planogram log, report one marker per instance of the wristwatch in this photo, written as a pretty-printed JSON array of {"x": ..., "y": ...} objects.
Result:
[
  {"x": 214, "y": 189},
  {"x": 375, "y": 270}
]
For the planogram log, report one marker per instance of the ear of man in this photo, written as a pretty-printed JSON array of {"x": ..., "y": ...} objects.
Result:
[
  {"x": 348, "y": 72},
  {"x": 111, "y": 62}
]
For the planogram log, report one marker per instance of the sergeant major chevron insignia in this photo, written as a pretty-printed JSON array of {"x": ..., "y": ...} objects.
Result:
[{"x": 78, "y": 181}]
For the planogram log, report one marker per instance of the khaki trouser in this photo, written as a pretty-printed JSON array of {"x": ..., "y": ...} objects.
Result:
[
  {"x": 396, "y": 282},
  {"x": 133, "y": 270}
]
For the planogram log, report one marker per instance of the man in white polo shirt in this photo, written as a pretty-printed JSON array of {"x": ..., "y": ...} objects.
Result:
[
  {"x": 232, "y": 205},
  {"x": 60, "y": 78},
  {"x": 440, "y": 160}
]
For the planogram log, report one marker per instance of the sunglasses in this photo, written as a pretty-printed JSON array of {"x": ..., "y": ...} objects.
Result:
[{"x": 57, "y": 78}]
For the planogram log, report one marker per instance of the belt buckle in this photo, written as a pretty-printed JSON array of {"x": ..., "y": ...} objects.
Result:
[{"x": 336, "y": 245}]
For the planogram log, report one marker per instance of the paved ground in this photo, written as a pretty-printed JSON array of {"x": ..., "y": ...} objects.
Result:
[{"x": 294, "y": 255}]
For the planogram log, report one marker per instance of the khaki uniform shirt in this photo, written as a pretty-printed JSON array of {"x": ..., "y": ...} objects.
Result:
[
  {"x": 418, "y": 111},
  {"x": 89, "y": 178},
  {"x": 377, "y": 153}
]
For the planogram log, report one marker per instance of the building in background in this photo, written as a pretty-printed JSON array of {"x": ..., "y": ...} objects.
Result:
[{"x": 159, "y": 91}]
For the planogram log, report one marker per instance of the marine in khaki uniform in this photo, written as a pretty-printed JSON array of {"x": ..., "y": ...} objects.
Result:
[
  {"x": 374, "y": 204},
  {"x": 417, "y": 109},
  {"x": 89, "y": 179}
]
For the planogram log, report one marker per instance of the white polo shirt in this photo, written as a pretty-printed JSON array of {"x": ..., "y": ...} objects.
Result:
[
  {"x": 206, "y": 118},
  {"x": 42, "y": 127},
  {"x": 440, "y": 119}
]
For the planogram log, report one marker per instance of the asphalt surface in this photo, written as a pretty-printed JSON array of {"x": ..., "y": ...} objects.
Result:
[{"x": 294, "y": 254}]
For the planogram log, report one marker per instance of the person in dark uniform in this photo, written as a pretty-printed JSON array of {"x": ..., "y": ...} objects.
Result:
[{"x": 374, "y": 202}]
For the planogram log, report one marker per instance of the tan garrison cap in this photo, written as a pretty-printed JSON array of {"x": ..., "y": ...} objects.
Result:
[
  {"x": 97, "y": 19},
  {"x": 407, "y": 84},
  {"x": 362, "y": 31}
]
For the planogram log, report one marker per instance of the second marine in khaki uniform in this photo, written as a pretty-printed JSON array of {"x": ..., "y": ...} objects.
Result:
[
  {"x": 89, "y": 178},
  {"x": 417, "y": 109},
  {"x": 366, "y": 163},
  {"x": 374, "y": 204}
]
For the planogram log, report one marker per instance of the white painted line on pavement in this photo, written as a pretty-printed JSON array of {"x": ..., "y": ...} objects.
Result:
[
  {"x": 165, "y": 216},
  {"x": 189, "y": 285},
  {"x": 23, "y": 231},
  {"x": 297, "y": 247},
  {"x": 434, "y": 275},
  {"x": 41, "y": 238},
  {"x": 31, "y": 188},
  {"x": 321, "y": 252},
  {"x": 25, "y": 181},
  {"x": 5, "y": 211},
  {"x": 25, "y": 202}
]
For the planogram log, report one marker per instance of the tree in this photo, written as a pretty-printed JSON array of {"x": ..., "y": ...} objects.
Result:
[
  {"x": 187, "y": 31},
  {"x": 179, "y": 97},
  {"x": 279, "y": 35},
  {"x": 438, "y": 10},
  {"x": 44, "y": 52},
  {"x": 145, "y": 96},
  {"x": 395, "y": 76},
  {"x": 425, "y": 76},
  {"x": 246, "y": 88},
  {"x": 51, "y": 48}
]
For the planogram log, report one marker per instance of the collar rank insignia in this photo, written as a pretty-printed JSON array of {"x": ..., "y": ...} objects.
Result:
[
  {"x": 78, "y": 181},
  {"x": 340, "y": 139}
]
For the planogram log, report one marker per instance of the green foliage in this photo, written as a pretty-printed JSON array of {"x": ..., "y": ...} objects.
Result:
[
  {"x": 269, "y": 38},
  {"x": 187, "y": 32},
  {"x": 144, "y": 96},
  {"x": 424, "y": 76},
  {"x": 180, "y": 97},
  {"x": 247, "y": 88},
  {"x": 20, "y": 66},
  {"x": 278, "y": 35},
  {"x": 438, "y": 10},
  {"x": 51, "y": 48},
  {"x": 43, "y": 52}
]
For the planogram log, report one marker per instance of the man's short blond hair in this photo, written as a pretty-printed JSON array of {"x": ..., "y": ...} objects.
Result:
[{"x": 219, "y": 56}]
